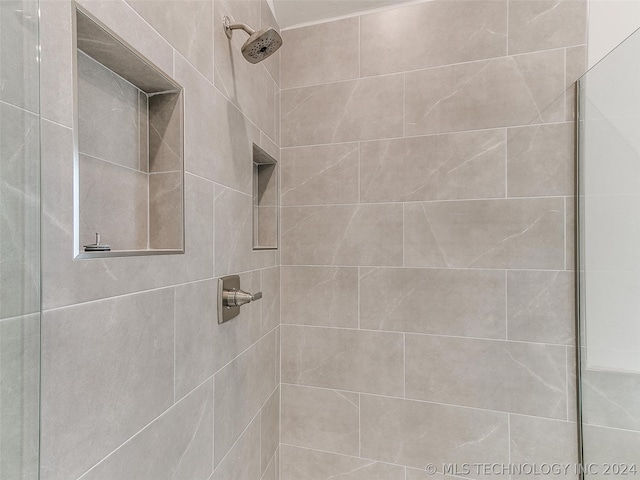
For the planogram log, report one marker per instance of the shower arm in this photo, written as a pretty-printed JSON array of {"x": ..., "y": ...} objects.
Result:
[{"x": 229, "y": 27}]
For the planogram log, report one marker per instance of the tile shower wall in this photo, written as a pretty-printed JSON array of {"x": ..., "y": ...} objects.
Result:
[
  {"x": 426, "y": 232},
  {"x": 139, "y": 380}
]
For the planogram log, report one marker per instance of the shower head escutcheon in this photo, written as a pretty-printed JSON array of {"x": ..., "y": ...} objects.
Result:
[{"x": 259, "y": 45}]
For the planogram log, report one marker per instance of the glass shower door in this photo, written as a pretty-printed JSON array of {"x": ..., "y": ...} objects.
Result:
[
  {"x": 19, "y": 240},
  {"x": 609, "y": 263}
]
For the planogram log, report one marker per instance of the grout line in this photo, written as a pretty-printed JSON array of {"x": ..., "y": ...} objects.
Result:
[
  {"x": 566, "y": 380},
  {"x": 506, "y": 305},
  {"x": 404, "y": 365},
  {"x": 509, "y": 436},
  {"x": 399, "y": 202},
  {"x": 398, "y": 267},
  {"x": 564, "y": 233},
  {"x": 359, "y": 425}
]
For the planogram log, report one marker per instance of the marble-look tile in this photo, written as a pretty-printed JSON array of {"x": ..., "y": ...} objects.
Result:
[
  {"x": 570, "y": 226},
  {"x": 165, "y": 210},
  {"x": 237, "y": 402},
  {"x": 234, "y": 234},
  {"x": 539, "y": 441},
  {"x": 319, "y": 418},
  {"x": 121, "y": 214},
  {"x": 343, "y": 359},
  {"x": 19, "y": 53},
  {"x": 304, "y": 464},
  {"x": 540, "y": 160},
  {"x": 365, "y": 109},
  {"x": 56, "y": 65},
  {"x": 540, "y": 307},
  {"x": 415, "y": 434},
  {"x": 322, "y": 296},
  {"x": 321, "y": 53},
  {"x": 513, "y": 233},
  {"x": 611, "y": 399},
  {"x": 270, "y": 428},
  {"x": 243, "y": 460},
  {"x": 186, "y": 24},
  {"x": 84, "y": 377},
  {"x": 545, "y": 24},
  {"x": 450, "y": 32},
  {"x": 508, "y": 376},
  {"x": 250, "y": 87},
  {"x": 179, "y": 444},
  {"x": 19, "y": 212},
  {"x": 202, "y": 346},
  {"x": 272, "y": 471},
  {"x": 272, "y": 63},
  {"x": 609, "y": 446},
  {"x": 445, "y": 302},
  {"x": 19, "y": 396},
  {"x": 270, "y": 303},
  {"x": 436, "y": 167},
  {"x": 576, "y": 60},
  {"x": 165, "y": 133},
  {"x": 119, "y": 17},
  {"x": 325, "y": 174},
  {"x": 278, "y": 336},
  {"x": 108, "y": 123},
  {"x": 342, "y": 235},
  {"x": 462, "y": 97}
]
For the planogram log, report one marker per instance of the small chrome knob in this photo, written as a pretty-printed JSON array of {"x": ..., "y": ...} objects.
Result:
[{"x": 236, "y": 298}]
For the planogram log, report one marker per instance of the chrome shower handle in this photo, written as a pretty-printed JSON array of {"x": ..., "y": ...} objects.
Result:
[{"x": 236, "y": 298}]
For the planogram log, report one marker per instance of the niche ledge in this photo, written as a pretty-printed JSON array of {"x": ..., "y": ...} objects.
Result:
[{"x": 128, "y": 149}]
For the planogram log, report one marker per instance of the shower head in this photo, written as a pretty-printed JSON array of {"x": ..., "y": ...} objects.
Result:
[{"x": 259, "y": 45}]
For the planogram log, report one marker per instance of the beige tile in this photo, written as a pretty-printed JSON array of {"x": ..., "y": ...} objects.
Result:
[
  {"x": 165, "y": 141},
  {"x": 576, "y": 59},
  {"x": 318, "y": 418},
  {"x": 415, "y": 433},
  {"x": 610, "y": 399},
  {"x": 545, "y": 24},
  {"x": 342, "y": 235},
  {"x": 267, "y": 20},
  {"x": 609, "y": 446},
  {"x": 243, "y": 460},
  {"x": 437, "y": 167},
  {"x": 320, "y": 296},
  {"x": 462, "y": 97},
  {"x": 304, "y": 464},
  {"x": 507, "y": 376},
  {"x": 540, "y": 441},
  {"x": 541, "y": 307},
  {"x": 319, "y": 175},
  {"x": 236, "y": 403},
  {"x": 342, "y": 359},
  {"x": 165, "y": 210},
  {"x": 540, "y": 160},
  {"x": 267, "y": 226},
  {"x": 119, "y": 214},
  {"x": 322, "y": 53},
  {"x": 446, "y": 302},
  {"x": 179, "y": 444},
  {"x": 250, "y": 87},
  {"x": 187, "y": 25},
  {"x": 570, "y": 235},
  {"x": 515, "y": 233},
  {"x": 364, "y": 109},
  {"x": 270, "y": 428},
  {"x": 270, "y": 303},
  {"x": 84, "y": 377},
  {"x": 442, "y": 33}
]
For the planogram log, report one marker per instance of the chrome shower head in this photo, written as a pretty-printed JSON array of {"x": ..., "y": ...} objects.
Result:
[{"x": 259, "y": 45}]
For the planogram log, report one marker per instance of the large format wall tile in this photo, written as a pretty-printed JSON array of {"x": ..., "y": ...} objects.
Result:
[
  {"x": 508, "y": 376},
  {"x": 449, "y": 32},
  {"x": 318, "y": 418},
  {"x": 540, "y": 160},
  {"x": 541, "y": 307},
  {"x": 540, "y": 441},
  {"x": 270, "y": 427},
  {"x": 323, "y": 53},
  {"x": 237, "y": 402},
  {"x": 609, "y": 446},
  {"x": 415, "y": 433},
  {"x": 436, "y": 167},
  {"x": 545, "y": 24},
  {"x": 343, "y": 359},
  {"x": 273, "y": 63},
  {"x": 179, "y": 444},
  {"x": 518, "y": 233},
  {"x": 611, "y": 399},
  {"x": 446, "y": 302},
  {"x": 304, "y": 464},
  {"x": 243, "y": 460},
  {"x": 530, "y": 89},
  {"x": 319, "y": 175},
  {"x": 364, "y": 109},
  {"x": 342, "y": 235},
  {"x": 323, "y": 296},
  {"x": 98, "y": 358}
]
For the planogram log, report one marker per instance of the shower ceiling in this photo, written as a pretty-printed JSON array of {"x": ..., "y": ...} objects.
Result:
[{"x": 296, "y": 12}]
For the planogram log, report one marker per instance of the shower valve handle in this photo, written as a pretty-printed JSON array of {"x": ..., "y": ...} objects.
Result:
[{"x": 235, "y": 298}]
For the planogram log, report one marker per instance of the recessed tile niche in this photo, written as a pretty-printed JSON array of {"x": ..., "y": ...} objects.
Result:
[
  {"x": 129, "y": 169},
  {"x": 265, "y": 200}
]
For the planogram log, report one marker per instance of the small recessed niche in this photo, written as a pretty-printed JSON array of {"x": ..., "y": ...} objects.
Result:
[
  {"x": 129, "y": 168},
  {"x": 265, "y": 200}
]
